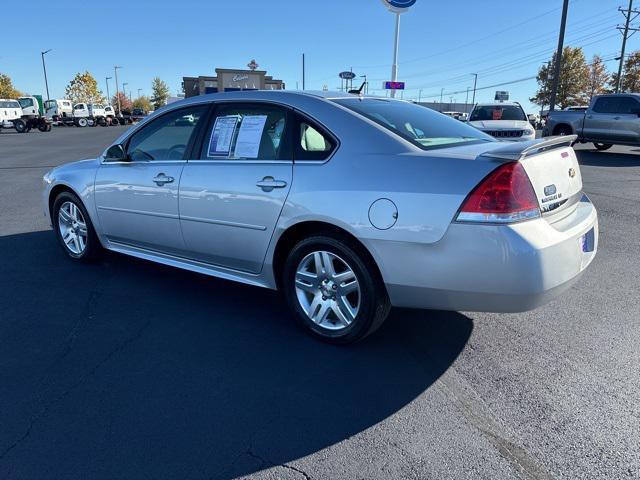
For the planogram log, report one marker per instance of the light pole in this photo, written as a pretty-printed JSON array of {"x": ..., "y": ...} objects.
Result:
[
  {"x": 124, "y": 89},
  {"x": 44, "y": 67},
  {"x": 475, "y": 83},
  {"x": 441, "y": 92},
  {"x": 556, "y": 70},
  {"x": 466, "y": 100},
  {"x": 106, "y": 80},
  {"x": 397, "y": 7},
  {"x": 139, "y": 90},
  {"x": 366, "y": 84},
  {"x": 115, "y": 69}
]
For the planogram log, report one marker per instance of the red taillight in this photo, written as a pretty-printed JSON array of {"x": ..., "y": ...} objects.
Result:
[{"x": 505, "y": 195}]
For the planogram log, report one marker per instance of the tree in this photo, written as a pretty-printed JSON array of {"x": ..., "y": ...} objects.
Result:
[
  {"x": 160, "y": 93},
  {"x": 143, "y": 102},
  {"x": 598, "y": 77},
  {"x": 125, "y": 103},
  {"x": 630, "y": 74},
  {"x": 6, "y": 88},
  {"x": 84, "y": 89},
  {"x": 573, "y": 82}
]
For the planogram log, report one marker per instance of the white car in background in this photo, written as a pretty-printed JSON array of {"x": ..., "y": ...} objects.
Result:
[{"x": 502, "y": 120}]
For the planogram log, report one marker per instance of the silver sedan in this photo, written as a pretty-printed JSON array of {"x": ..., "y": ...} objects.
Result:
[{"x": 347, "y": 204}]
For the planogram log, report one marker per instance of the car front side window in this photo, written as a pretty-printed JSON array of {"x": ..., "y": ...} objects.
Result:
[{"x": 166, "y": 138}]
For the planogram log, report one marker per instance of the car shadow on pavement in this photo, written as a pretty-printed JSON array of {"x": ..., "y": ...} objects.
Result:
[
  {"x": 608, "y": 159},
  {"x": 127, "y": 369}
]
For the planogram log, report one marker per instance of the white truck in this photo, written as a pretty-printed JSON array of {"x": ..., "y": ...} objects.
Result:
[
  {"x": 58, "y": 110},
  {"x": 24, "y": 114},
  {"x": 10, "y": 110}
]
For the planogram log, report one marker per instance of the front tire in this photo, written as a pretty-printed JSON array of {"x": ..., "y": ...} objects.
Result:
[
  {"x": 20, "y": 126},
  {"x": 334, "y": 290},
  {"x": 603, "y": 146},
  {"x": 82, "y": 122},
  {"x": 74, "y": 229}
]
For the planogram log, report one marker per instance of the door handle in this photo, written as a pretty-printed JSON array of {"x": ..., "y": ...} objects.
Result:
[
  {"x": 161, "y": 179},
  {"x": 267, "y": 184},
  {"x": 616, "y": 118}
]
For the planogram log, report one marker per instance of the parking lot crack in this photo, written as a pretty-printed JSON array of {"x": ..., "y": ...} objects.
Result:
[
  {"x": 264, "y": 462},
  {"x": 479, "y": 416},
  {"x": 55, "y": 401}
]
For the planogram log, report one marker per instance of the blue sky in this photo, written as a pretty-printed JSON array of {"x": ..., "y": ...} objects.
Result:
[{"x": 441, "y": 42}]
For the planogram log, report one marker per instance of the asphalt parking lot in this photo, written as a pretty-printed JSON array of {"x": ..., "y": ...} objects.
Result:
[{"x": 126, "y": 369}]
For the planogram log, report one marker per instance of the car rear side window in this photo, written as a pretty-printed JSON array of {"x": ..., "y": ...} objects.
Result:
[
  {"x": 167, "y": 137},
  {"x": 247, "y": 131},
  {"x": 312, "y": 142}
]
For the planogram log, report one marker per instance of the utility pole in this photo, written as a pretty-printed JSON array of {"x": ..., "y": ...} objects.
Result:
[
  {"x": 475, "y": 83},
  {"x": 303, "y": 72},
  {"x": 556, "y": 73},
  {"x": 625, "y": 34},
  {"x": 139, "y": 90},
  {"x": 466, "y": 100},
  {"x": 441, "y": 92},
  {"x": 419, "y": 95},
  {"x": 106, "y": 79},
  {"x": 44, "y": 67},
  {"x": 115, "y": 69}
]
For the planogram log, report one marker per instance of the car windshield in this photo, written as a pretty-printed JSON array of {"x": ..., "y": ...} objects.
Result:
[
  {"x": 9, "y": 104},
  {"x": 497, "y": 112},
  {"x": 422, "y": 126}
]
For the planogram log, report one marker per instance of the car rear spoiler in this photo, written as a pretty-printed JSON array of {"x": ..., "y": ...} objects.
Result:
[{"x": 517, "y": 151}]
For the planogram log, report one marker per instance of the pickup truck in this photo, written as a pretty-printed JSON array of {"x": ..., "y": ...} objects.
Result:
[{"x": 612, "y": 119}]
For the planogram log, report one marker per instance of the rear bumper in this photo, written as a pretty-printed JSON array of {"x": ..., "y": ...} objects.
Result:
[{"x": 492, "y": 268}]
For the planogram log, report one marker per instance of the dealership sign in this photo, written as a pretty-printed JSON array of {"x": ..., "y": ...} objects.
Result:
[
  {"x": 393, "y": 85},
  {"x": 347, "y": 75},
  {"x": 398, "y": 6}
]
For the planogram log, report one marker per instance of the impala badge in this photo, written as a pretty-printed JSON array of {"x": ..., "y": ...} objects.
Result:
[{"x": 572, "y": 172}]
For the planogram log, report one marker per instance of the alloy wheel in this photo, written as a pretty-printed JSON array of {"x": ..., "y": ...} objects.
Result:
[
  {"x": 73, "y": 228},
  {"x": 327, "y": 290}
]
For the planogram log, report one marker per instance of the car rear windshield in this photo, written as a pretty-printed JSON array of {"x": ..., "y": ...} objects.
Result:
[
  {"x": 497, "y": 112},
  {"x": 422, "y": 126}
]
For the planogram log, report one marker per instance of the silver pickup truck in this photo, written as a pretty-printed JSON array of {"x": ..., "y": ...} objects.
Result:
[{"x": 610, "y": 120}]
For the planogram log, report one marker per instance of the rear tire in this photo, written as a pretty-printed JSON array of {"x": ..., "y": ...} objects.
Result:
[
  {"x": 602, "y": 146},
  {"x": 73, "y": 228},
  {"x": 333, "y": 290}
]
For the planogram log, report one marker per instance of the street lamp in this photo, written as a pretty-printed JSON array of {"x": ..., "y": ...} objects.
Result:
[
  {"x": 124, "y": 89},
  {"x": 475, "y": 83},
  {"x": 44, "y": 67},
  {"x": 139, "y": 90},
  {"x": 115, "y": 69},
  {"x": 106, "y": 79},
  {"x": 366, "y": 84}
]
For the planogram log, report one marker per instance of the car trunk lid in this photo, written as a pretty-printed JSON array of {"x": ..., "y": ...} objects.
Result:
[{"x": 552, "y": 168}]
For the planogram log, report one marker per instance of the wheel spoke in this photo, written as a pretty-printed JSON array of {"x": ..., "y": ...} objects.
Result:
[
  {"x": 344, "y": 277},
  {"x": 76, "y": 243},
  {"x": 346, "y": 310},
  {"x": 68, "y": 237},
  {"x": 345, "y": 318},
  {"x": 348, "y": 288},
  {"x": 65, "y": 216},
  {"x": 320, "y": 314}
]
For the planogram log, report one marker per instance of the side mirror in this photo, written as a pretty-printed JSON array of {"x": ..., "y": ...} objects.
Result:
[{"x": 116, "y": 153}]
